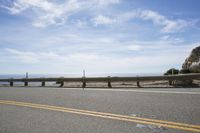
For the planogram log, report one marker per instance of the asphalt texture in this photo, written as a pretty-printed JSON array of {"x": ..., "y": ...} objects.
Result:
[{"x": 170, "y": 104}]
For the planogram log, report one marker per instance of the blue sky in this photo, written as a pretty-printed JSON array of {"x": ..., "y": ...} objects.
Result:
[{"x": 100, "y": 36}]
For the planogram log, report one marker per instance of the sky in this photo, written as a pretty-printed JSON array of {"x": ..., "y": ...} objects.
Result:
[{"x": 100, "y": 36}]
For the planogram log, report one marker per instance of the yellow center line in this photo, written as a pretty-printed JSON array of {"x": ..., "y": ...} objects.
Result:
[
  {"x": 116, "y": 115},
  {"x": 181, "y": 126}
]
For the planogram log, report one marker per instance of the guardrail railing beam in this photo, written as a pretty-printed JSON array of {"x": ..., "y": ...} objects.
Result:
[{"x": 84, "y": 80}]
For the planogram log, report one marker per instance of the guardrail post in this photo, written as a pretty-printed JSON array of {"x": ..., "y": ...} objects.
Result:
[
  {"x": 25, "y": 83},
  {"x": 83, "y": 82},
  {"x": 138, "y": 84},
  {"x": 43, "y": 83},
  {"x": 61, "y": 83},
  {"x": 109, "y": 83},
  {"x": 11, "y": 83},
  {"x": 170, "y": 82}
]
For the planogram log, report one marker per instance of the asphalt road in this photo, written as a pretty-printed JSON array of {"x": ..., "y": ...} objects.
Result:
[{"x": 180, "y": 105}]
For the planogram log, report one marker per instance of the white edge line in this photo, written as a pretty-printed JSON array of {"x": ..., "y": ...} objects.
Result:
[{"x": 125, "y": 90}]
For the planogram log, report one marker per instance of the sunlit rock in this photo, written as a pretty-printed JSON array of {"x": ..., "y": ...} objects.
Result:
[{"x": 192, "y": 63}]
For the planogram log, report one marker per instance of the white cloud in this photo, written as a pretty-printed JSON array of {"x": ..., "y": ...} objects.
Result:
[
  {"x": 172, "y": 40},
  {"x": 103, "y": 20},
  {"x": 107, "y": 2},
  {"x": 25, "y": 57},
  {"x": 31, "y": 57},
  {"x": 166, "y": 37},
  {"x": 48, "y": 12},
  {"x": 21, "y": 5},
  {"x": 134, "y": 47},
  {"x": 80, "y": 23},
  {"x": 51, "y": 13},
  {"x": 160, "y": 56},
  {"x": 95, "y": 62},
  {"x": 168, "y": 25}
]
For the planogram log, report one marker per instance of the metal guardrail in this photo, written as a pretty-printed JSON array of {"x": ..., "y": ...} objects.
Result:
[{"x": 108, "y": 79}]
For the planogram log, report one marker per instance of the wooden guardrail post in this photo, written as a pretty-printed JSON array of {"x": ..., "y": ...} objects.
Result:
[
  {"x": 138, "y": 84},
  {"x": 83, "y": 82},
  {"x": 43, "y": 83},
  {"x": 25, "y": 83},
  {"x": 109, "y": 82},
  {"x": 170, "y": 82},
  {"x": 11, "y": 83},
  {"x": 61, "y": 83}
]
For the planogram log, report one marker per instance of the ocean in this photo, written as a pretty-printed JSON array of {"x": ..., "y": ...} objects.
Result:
[{"x": 6, "y": 76}]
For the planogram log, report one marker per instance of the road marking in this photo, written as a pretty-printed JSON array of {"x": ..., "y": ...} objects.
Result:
[
  {"x": 168, "y": 124},
  {"x": 125, "y": 90},
  {"x": 132, "y": 90},
  {"x": 149, "y": 91}
]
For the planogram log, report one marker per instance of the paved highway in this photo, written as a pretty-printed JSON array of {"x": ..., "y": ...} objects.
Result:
[{"x": 65, "y": 110}]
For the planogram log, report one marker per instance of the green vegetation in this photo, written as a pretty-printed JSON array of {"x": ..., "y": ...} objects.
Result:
[{"x": 172, "y": 71}]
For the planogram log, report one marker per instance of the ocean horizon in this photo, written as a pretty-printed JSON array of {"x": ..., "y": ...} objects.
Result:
[{"x": 3, "y": 76}]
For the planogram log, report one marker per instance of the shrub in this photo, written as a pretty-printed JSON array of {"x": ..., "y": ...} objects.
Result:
[{"x": 172, "y": 71}]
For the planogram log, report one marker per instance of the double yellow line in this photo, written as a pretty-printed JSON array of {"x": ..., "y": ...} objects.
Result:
[{"x": 168, "y": 124}]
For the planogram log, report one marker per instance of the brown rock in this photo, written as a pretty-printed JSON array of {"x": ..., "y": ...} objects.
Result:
[{"x": 192, "y": 63}]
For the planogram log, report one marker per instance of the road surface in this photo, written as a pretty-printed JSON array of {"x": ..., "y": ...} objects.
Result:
[{"x": 74, "y": 110}]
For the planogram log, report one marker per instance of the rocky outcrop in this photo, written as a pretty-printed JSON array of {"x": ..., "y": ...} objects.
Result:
[{"x": 192, "y": 63}]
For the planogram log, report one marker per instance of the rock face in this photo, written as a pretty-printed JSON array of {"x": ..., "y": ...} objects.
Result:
[{"x": 192, "y": 63}]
